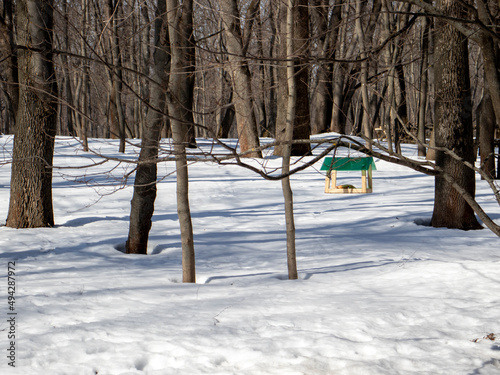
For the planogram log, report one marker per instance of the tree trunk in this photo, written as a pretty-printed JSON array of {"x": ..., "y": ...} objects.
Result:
[
  {"x": 31, "y": 179},
  {"x": 180, "y": 104},
  {"x": 273, "y": 102},
  {"x": 366, "y": 127},
  {"x": 390, "y": 57},
  {"x": 424, "y": 86},
  {"x": 401, "y": 120},
  {"x": 302, "y": 125},
  {"x": 328, "y": 32},
  {"x": 301, "y": 49},
  {"x": 340, "y": 69},
  {"x": 290, "y": 120},
  {"x": 486, "y": 122},
  {"x": 116, "y": 85},
  {"x": 490, "y": 58},
  {"x": 8, "y": 65},
  {"x": 142, "y": 205},
  {"x": 240, "y": 74},
  {"x": 282, "y": 88},
  {"x": 453, "y": 124}
]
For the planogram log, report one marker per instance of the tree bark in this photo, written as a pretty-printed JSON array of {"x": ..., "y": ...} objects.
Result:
[
  {"x": 117, "y": 114},
  {"x": 366, "y": 127},
  {"x": 453, "y": 124},
  {"x": 302, "y": 125},
  {"x": 486, "y": 122},
  {"x": 490, "y": 58},
  {"x": 142, "y": 205},
  {"x": 340, "y": 69},
  {"x": 240, "y": 74},
  {"x": 301, "y": 49},
  {"x": 290, "y": 120},
  {"x": 31, "y": 180},
  {"x": 8, "y": 65},
  {"x": 328, "y": 31},
  {"x": 424, "y": 85},
  {"x": 180, "y": 104}
]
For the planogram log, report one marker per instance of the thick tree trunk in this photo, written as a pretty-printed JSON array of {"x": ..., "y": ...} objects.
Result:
[
  {"x": 31, "y": 180},
  {"x": 142, "y": 205},
  {"x": 180, "y": 104},
  {"x": 453, "y": 124}
]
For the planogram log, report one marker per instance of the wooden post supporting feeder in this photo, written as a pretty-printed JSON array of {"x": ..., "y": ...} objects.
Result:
[{"x": 333, "y": 165}]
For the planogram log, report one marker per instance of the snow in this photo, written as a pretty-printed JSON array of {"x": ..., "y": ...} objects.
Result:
[{"x": 377, "y": 292}]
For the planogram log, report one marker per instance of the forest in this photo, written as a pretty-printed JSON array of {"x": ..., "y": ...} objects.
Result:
[
  {"x": 390, "y": 72},
  {"x": 162, "y": 181}
]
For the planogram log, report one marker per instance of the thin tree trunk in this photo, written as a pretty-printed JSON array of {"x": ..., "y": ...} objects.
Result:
[
  {"x": 302, "y": 125},
  {"x": 301, "y": 49},
  {"x": 290, "y": 120},
  {"x": 68, "y": 92},
  {"x": 31, "y": 180},
  {"x": 329, "y": 33},
  {"x": 390, "y": 51},
  {"x": 180, "y": 104},
  {"x": 116, "y": 84},
  {"x": 272, "y": 104},
  {"x": 338, "y": 121},
  {"x": 8, "y": 65},
  {"x": 401, "y": 120},
  {"x": 366, "y": 127},
  {"x": 85, "y": 87},
  {"x": 240, "y": 74},
  {"x": 261, "y": 97},
  {"x": 282, "y": 89},
  {"x": 491, "y": 67},
  {"x": 424, "y": 86},
  {"x": 486, "y": 122}
]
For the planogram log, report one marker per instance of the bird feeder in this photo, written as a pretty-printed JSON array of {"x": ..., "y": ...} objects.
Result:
[{"x": 333, "y": 165}]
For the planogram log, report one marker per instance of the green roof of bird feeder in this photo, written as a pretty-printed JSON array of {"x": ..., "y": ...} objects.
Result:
[{"x": 348, "y": 164}]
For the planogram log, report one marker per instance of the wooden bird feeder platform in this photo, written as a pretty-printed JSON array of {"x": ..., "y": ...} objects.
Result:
[{"x": 334, "y": 165}]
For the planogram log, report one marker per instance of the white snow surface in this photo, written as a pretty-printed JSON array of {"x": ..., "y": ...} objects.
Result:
[{"x": 378, "y": 292}]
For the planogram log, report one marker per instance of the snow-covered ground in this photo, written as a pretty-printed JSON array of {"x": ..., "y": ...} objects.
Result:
[{"x": 377, "y": 293}]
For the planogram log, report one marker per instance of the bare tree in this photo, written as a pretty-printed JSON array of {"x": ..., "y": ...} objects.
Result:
[
  {"x": 237, "y": 45},
  {"x": 117, "y": 115},
  {"x": 453, "y": 128},
  {"x": 8, "y": 64},
  {"x": 180, "y": 108},
  {"x": 287, "y": 148},
  {"x": 31, "y": 180},
  {"x": 301, "y": 49},
  {"x": 142, "y": 205},
  {"x": 424, "y": 84}
]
